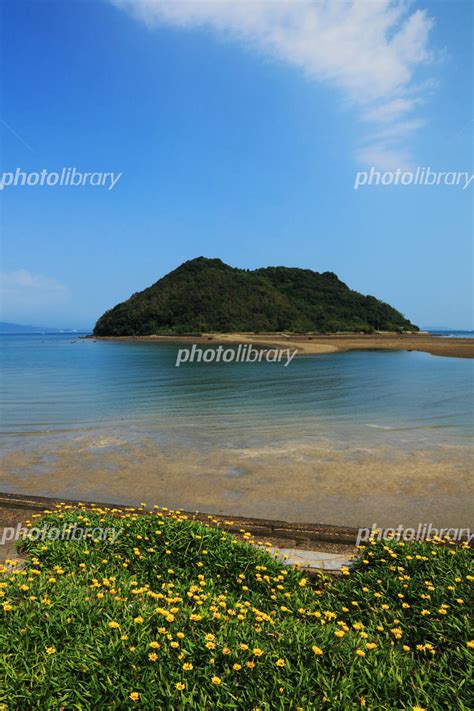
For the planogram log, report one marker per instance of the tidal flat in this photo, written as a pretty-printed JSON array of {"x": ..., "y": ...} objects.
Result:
[
  {"x": 295, "y": 481},
  {"x": 350, "y": 438}
]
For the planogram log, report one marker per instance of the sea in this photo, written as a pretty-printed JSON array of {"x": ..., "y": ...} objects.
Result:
[
  {"x": 447, "y": 333},
  {"x": 57, "y": 386}
]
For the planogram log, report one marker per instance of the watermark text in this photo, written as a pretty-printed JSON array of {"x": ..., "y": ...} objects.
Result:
[
  {"x": 66, "y": 177},
  {"x": 244, "y": 353},
  {"x": 419, "y": 176},
  {"x": 423, "y": 532},
  {"x": 67, "y": 532}
]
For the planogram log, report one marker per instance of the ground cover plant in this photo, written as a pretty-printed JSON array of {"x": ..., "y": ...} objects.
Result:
[{"x": 177, "y": 614}]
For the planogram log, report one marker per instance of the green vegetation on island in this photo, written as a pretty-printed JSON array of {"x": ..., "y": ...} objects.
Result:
[
  {"x": 175, "y": 614},
  {"x": 206, "y": 295}
]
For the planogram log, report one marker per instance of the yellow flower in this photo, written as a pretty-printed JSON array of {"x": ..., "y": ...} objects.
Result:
[
  {"x": 210, "y": 637},
  {"x": 258, "y": 652},
  {"x": 339, "y": 633},
  {"x": 370, "y": 645},
  {"x": 406, "y": 648},
  {"x": 251, "y": 665},
  {"x": 244, "y": 647},
  {"x": 113, "y": 625},
  {"x": 470, "y": 644},
  {"x": 216, "y": 680},
  {"x": 187, "y": 666},
  {"x": 50, "y": 650},
  {"x": 237, "y": 667},
  {"x": 153, "y": 656},
  {"x": 154, "y": 645},
  {"x": 280, "y": 662},
  {"x": 418, "y": 708},
  {"x": 360, "y": 653},
  {"x": 425, "y": 612},
  {"x": 138, "y": 620},
  {"x": 134, "y": 696},
  {"x": 317, "y": 650},
  {"x": 179, "y": 686}
]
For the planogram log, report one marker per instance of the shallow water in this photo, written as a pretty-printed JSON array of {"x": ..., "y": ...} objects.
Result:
[
  {"x": 61, "y": 385},
  {"x": 348, "y": 438}
]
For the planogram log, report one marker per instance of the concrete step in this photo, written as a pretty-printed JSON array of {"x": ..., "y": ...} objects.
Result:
[{"x": 312, "y": 560}]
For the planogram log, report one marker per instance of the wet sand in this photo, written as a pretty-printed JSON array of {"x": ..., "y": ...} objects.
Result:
[
  {"x": 294, "y": 481},
  {"x": 308, "y": 344}
]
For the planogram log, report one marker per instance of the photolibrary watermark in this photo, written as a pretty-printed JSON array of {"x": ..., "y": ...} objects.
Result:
[
  {"x": 244, "y": 353},
  {"x": 423, "y": 532},
  {"x": 67, "y": 532},
  {"x": 420, "y": 176},
  {"x": 65, "y": 178}
]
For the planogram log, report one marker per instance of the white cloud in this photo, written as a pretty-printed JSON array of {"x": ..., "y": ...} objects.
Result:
[
  {"x": 385, "y": 148},
  {"x": 21, "y": 290},
  {"x": 383, "y": 157},
  {"x": 390, "y": 110},
  {"x": 369, "y": 49},
  {"x": 23, "y": 279}
]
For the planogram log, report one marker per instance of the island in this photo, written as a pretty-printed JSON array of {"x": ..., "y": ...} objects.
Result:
[{"x": 205, "y": 295}]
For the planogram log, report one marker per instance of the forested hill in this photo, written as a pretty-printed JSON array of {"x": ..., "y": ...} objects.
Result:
[{"x": 205, "y": 295}]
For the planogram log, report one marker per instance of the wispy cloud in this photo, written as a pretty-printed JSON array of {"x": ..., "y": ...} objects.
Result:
[
  {"x": 14, "y": 133},
  {"x": 23, "y": 279},
  {"x": 370, "y": 50},
  {"x": 20, "y": 289}
]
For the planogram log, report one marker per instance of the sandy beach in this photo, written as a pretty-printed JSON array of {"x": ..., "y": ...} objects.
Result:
[
  {"x": 348, "y": 440},
  {"x": 295, "y": 481},
  {"x": 309, "y": 344}
]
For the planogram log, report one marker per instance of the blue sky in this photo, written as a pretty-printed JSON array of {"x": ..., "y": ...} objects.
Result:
[{"x": 238, "y": 129}]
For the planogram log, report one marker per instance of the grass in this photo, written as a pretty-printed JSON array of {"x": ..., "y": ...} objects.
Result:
[{"x": 176, "y": 614}]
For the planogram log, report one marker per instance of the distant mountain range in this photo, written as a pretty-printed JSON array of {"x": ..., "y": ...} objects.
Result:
[
  {"x": 6, "y": 327},
  {"x": 205, "y": 295}
]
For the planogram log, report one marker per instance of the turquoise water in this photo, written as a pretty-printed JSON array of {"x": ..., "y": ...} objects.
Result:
[
  {"x": 56, "y": 386},
  {"x": 446, "y": 333}
]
